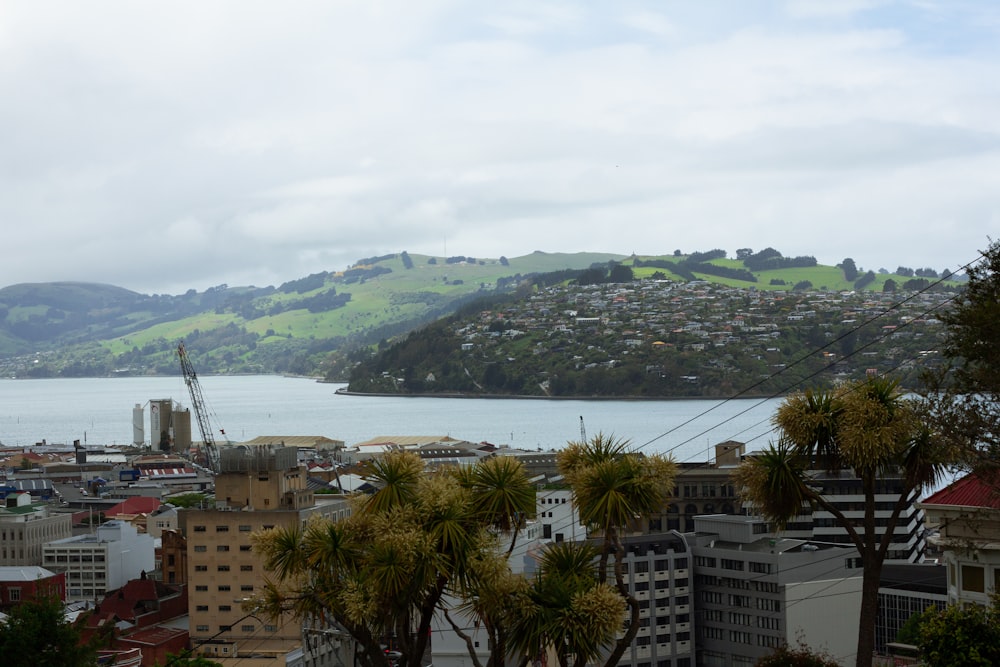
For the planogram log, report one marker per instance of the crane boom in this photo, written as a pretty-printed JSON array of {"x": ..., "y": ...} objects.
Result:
[{"x": 200, "y": 412}]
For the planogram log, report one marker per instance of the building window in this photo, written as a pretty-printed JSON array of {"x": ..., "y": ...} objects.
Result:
[
  {"x": 222, "y": 547},
  {"x": 246, "y": 568},
  {"x": 224, "y": 587},
  {"x": 201, "y": 628},
  {"x": 704, "y": 561},
  {"x": 248, "y": 628},
  {"x": 225, "y": 607},
  {"x": 223, "y": 568},
  {"x": 246, "y": 588},
  {"x": 244, "y": 547},
  {"x": 14, "y": 594},
  {"x": 200, "y": 548},
  {"x": 222, "y": 529},
  {"x": 245, "y": 528},
  {"x": 201, "y": 568},
  {"x": 270, "y": 628},
  {"x": 730, "y": 564},
  {"x": 201, "y": 607},
  {"x": 201, "y": 589},
  {"x": 760, "y": 568},
  {"x": 199, "y": 529},
  {"x": 972, "y": 579}
]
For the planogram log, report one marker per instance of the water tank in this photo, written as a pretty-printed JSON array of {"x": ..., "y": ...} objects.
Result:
[{"x": 182, "y": 430}]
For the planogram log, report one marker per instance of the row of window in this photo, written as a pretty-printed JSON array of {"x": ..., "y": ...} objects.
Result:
[
  {"x": 243, "y": 628},
  {"x": 223, "y": 528},
  {"x": 741, "y": 637},
  {"x": 201, "y": 548},
  {"x": 245, "y": 588}
]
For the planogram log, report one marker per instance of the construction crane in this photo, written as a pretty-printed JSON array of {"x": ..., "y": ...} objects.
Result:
[{"x": 200, "y": 411}]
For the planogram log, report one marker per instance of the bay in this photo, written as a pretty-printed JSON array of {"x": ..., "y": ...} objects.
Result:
[{"x": 98, "y": 411}]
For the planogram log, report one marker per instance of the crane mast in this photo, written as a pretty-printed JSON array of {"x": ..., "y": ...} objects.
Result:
[{"x": 200, "y": 412}]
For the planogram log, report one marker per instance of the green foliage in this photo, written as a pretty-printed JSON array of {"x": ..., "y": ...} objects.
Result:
[
  {"x": 800, "y": 656},
  {"x": 960, "y": 636},
  {"x": 37, "y": 634},
  {"x": 387, "y": 567},
  {"x": 191, "y": 500}
]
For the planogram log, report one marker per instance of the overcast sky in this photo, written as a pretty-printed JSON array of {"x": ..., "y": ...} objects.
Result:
[{"x": 176, "y": 145}]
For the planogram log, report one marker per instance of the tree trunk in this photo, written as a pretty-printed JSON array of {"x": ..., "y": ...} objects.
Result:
[{"x": 871, "y": 577}]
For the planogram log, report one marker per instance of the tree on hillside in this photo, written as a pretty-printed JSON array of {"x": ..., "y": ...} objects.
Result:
[
  {"x": 420, "y": 540},
  {"x": 850, "y": 269},
  {"x": 866, "y": 427},
  {"x": 966, "y": 395},
  {"x": 37, "y": 634},
  {"x": 614, "y": 487}
]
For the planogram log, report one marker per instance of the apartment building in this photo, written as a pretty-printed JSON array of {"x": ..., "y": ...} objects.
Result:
[
  {"x": 259, "y": 488},
  {"x": 757, "y": 590},
  {"x": 98, "y": 562},
  {"x": 658, "y": 568},
  {"x": 25, "y": 526}
]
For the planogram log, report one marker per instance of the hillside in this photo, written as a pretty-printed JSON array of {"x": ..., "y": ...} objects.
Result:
[
  {"x": 656, "y": 337},
  {"x": 85, "y": 329},
  {"x": 323, "y": 324}
]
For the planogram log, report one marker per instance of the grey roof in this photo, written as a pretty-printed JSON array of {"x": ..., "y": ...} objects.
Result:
[{"x": 23, "y": 573}]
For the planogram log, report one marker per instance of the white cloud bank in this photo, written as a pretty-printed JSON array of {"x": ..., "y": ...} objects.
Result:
[{"x": 164, "y": 147}]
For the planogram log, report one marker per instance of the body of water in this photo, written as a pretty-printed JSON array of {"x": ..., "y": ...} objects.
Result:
[{"x": 98, "y": 411}]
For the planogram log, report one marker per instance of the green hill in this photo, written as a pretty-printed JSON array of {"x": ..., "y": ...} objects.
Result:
[{"x": 317, "y": 325}]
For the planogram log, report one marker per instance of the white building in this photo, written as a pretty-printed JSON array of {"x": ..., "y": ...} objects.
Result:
[
  {"x": 966, "y": 515},
  {"x": 757, "y": 591},
  {"x": 96, "y": 563}
]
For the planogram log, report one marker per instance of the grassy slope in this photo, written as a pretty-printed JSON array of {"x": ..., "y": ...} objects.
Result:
[{"x": 374, "y": 303}]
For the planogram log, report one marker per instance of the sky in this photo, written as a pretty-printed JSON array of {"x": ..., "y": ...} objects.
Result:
[{"x": 163, "y": 147}]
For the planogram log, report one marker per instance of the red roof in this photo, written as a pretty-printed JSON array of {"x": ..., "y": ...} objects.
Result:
[
  {"x": 135, "y": 505},
  {"x": 970, "y": 491}
]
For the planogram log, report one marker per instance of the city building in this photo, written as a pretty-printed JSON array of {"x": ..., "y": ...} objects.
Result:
[
  {"x": 966, "y": 518},
  {"x": 658, "y": 568},
  {"x": 29, "y": 582},
  {"x": 25, "y": 526},
  {"x": 257, "y": 488},
  {"x": 906, "y": 589},
  {"x": 104, "y": 560},
  {"x": 703, "y": 488},
  {"x": 756, "y": 591}
]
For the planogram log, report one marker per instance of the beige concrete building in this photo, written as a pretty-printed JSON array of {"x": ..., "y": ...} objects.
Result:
[
  {"x": 25, "y": 526},
  {"x": 258, "y": 488}
]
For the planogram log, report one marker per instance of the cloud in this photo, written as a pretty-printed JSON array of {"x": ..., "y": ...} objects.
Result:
[{"x": 164, "y": 148}]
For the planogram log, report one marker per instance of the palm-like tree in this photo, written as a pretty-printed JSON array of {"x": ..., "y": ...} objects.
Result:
[
  {"x": 614, "y": 487},
  {"x": 388, "y": 567},
  {"x": 566, "y": 609},
  {"x": 867, "y": 427}
]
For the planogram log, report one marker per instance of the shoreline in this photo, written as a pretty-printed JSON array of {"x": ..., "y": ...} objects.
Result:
[{"x": 526, "y": 397}]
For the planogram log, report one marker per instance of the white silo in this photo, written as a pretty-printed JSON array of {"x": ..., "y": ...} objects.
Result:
[{"x": 138, "y": 426}]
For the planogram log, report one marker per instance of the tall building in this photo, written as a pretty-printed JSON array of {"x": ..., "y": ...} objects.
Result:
[
  {"x": 258, "y": 488},
  {"x": 25, "y": 526},
  {"x": 757, "y": 591},
  {"x": 658, "y": 570},
  {"x": 844, "y": 491}
]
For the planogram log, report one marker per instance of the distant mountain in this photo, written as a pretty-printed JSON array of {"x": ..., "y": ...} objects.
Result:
[{"x": 324, "y": 324}]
